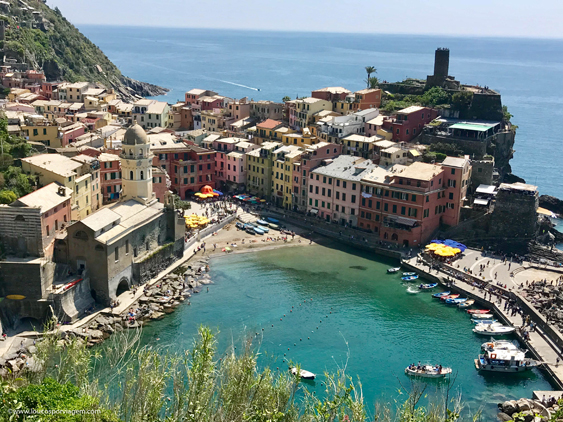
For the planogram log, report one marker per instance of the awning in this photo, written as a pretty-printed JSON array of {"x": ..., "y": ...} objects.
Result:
[
  {"x": 481, "y": 202},
  {"x": 314, "y": 211},
  {"x": 402, "y": 220},
  {"x": 487, "y": 189}
]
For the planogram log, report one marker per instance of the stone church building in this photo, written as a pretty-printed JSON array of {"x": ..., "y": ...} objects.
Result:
[{"x": 116, "y": 245}]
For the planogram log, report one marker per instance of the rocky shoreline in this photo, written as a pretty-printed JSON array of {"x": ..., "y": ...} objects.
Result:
[{"x": 144, "y": 89}]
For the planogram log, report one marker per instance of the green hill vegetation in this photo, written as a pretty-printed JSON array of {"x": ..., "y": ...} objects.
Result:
[{"x": 43, "y": 38}]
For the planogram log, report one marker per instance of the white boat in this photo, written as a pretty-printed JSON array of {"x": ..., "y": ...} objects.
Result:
[
  {"x": 486, "y": 321},
  {"x": 481, "y": 316},
  {"x": 499, "y": 345},
  {"x": 306, "y": 375},
  {"x": 393, "y": 270},
  {"x": 504, "y": 360},
  {"x": 427, "y": 371},
  {"x": 493, "y": 329}
]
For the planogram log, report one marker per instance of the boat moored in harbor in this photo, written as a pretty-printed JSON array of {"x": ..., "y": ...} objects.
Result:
[
  {"x": 393, "y": 270},
  {"x": 408, "y": 274},
  {"x": 455, "y": 296},
  {"x": 441, "y": 294},
  {"x": 409, "y": 278},
  {"x": 427, "y": 286},
  {"x": 455, "y": 301},
  {"x": 478, "y": 311},
  {"x": 481, "y": 316},
  {"x": 493, "y": 329},
  {"x": 504, "y": 360},
  {"x": 466, "y": 304}
]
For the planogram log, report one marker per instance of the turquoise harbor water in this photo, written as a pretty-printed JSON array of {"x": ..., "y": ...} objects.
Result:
[
  {"x": 374, "y": 318},
  {"x": 527, "y": 72}
]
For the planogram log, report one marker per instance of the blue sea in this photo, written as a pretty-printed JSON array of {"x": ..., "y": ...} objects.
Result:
[{"x": 527, "y": 72}]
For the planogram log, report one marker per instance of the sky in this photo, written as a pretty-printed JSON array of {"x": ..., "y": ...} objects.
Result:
[{"x": 490, "y": 18}]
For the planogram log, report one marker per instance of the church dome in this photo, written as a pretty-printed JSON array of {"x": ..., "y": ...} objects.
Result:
[{"x": 135, "y": 135}]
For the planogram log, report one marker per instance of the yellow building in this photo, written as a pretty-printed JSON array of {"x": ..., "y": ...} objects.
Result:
[
  {"x": 83, "y": 179},
  {"x": 282, "y": 174},
  {"x": 45, "y": 133},
  {"x": 300, "y": 139},
  {"x": 259, "y": 170},
  {"x": 302, "y": 111}
]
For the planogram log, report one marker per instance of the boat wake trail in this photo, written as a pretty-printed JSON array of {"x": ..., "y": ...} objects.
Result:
[
  {"x": 413, "y": 290},
  {"x": 234, "y": 83}
]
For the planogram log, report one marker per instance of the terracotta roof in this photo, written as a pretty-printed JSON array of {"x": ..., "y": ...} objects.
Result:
[{"x": 269, "y": 124}]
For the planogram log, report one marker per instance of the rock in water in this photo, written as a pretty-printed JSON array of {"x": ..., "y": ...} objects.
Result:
[{"x": 504, "y": 417}]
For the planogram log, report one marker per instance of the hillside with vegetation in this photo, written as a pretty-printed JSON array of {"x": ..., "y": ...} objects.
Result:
[{"x": 44, "y": 39}]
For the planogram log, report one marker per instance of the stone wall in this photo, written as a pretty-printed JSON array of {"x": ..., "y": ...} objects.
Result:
[
  {"x": 149, "y": 267},
  {"x": 30, "y": 279},
  {"x": 71, "y": 304},
  {"x": 482, "y": 173},
  {"x": 20, "y": 230}
]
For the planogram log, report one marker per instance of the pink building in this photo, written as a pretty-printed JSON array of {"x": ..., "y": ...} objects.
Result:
[
  {"x": 313, "y": 157},
  {"x": 193, "y": 95},
  {"x": 70, "y": 132},
  {"x": 335, "y": 189},
  {"x": 239, "y": 109},
  {"x": 160, "y": 183},
  {"x": 223, "y": 146},
  {"x": 410, "y": 121},
  {"x": 236, "y": 167}
]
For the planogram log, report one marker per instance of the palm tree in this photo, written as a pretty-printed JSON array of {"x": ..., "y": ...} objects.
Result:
[{"x": 370, "y": 70}]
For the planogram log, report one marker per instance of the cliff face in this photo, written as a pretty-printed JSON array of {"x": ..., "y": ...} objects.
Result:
[{"x": 41, "y": 37}]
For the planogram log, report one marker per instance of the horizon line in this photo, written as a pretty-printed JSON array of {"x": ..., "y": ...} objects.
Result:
[{"x": 484, "y": 36}]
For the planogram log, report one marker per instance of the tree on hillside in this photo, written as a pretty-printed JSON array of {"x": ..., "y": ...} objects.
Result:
[
  {"x": 286, "y": 99},
  {"x": 461, "y": 101},
  {"x": 373, "y": 82},
  {"x": 7, "y": 197},
  {"x": 369, "y": 71},
  {"x": 435, "y": 96}
]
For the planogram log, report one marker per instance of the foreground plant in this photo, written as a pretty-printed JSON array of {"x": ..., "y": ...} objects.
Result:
[{"x": 137, "y": 384}]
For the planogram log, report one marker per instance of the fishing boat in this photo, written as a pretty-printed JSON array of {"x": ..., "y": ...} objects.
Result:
[
  {"x": 273, "y": 226},
  {"x": 393, "y": 270},
  {"x": 482, "y": 316},
  {"x": 455, "y": 296},
  {"x": 505, "y": 360},
  {"x": 239, "y": 225},
  {"x": 409, "y": 278},
  {"x": 262, "y": 222},
  {"x": 427, "y": 371},
  {"x": 478, "y": 311},
  {"x": 466, "y": 304},
  {"x": 272, "y": 220},
  {"x": 408, "y": 274},
  {"x": 265, "y": 229},
  {"x": 306, "y": 375},
  {"x": 493, "y": 329},
  {"x": 427, "y": 286},
  {"x": 438, "y": 295},
  {"x": 249, "y": 229},
  {"x": 455, "y": 301}
]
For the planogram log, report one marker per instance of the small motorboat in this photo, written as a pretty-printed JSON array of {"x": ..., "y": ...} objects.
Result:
[
  {"x": 273, "y": 226},
  {"x": 306, "y": 375},
  {"x": 455, "y": 301},
  {"x": 485, "y": 321},
  {"x": 438, "y": 295},
  {"x": 408, "y": 274},
  {"x": 500, "y": 345},
  {"x": 393, "y": 270},
  {"x": 482, "y": 316},
  {"x": 427, "y": 371},
  {"x": 239, "y": 225},
  {"x": 478, "y": 311},
  {"x": 249, "y": 229},
  {"x": 505, "y": 360},
  {"x": 427, "y": 286},
  {"x": 262, "y": 222},
  {"x": 493, "y": 329},
  {"x": 455, "y": 296},
  {"x": 272, "y": 220},
  {"x": 409, "y": 278},
  {"x": 466, "y": 304},
  {"x": 265, "y": 229}
]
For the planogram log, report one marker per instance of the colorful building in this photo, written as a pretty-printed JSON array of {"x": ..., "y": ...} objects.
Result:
[
  {"x": 301, "y": 112},
  {"x": 110, "y": 174},
  {"x": 284, "y": 158},
  {"x": 335, "y": 189},
  {"x": 259, "y": 169},
  {"x": 407, "y": 204},
  {"x": 409, "y": 122}
]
